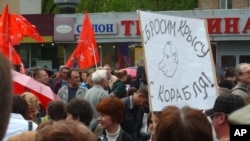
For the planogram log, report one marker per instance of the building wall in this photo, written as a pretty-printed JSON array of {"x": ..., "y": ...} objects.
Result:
[
  {"x": 22, "y": 6},
  {"x": 208, "y": 4},
  {"x": 30, "y": 7},
  {"x": 215, "y": 4},
  {"x": 237, "y": 4},
  {"x": 12, "y": 4},
  {"x": 223, "y": 25}
]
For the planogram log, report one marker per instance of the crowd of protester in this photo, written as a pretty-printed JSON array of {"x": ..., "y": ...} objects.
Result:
[{"x": 97, "y": 105}]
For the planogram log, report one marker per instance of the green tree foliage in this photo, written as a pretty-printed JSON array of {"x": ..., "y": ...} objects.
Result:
[
  {"x": 92, "y": 6},
  {"x": 132, "y": 5},
  {"x": 48, "y": 6}
]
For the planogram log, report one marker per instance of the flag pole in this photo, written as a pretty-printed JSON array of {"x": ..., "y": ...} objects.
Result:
[
  {"x": 10, "y": 52},
  {"x": 94, "y": 55}
]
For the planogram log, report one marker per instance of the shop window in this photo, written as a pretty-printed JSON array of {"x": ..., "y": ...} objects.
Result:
[
  {"x": 225, "y": 4},
  {"x": 244, "y": 59},
  {"x": 228, "y": 61}
]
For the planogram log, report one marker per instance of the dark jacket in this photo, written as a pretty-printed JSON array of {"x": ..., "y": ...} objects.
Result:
[
  {"x": 240, "y": 89},
  {"x": 57, "y": 85},
  {"x": 123, "y": 136},
  {"x": 137, "y": 82},
  {"x": 133, "y": 119},
  {"x": 119, "y": 89}
]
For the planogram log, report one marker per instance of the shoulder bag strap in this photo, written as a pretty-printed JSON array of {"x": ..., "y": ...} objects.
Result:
[
  {"x": 240, "y": 89},
  {"x": 30, "y": 125}
]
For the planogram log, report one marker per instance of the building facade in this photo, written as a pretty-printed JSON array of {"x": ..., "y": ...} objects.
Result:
[
  {"x": 119, "y": 39},
  {"x": 223, "y": 4},
  {"x": 22, "y": 6},
  {"x": 118, "y": 35},
  {"x": 34, "y": 53}
]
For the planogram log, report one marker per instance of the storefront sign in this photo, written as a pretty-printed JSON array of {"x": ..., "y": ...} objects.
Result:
[
  {"x": 101, "y": 28},
  {"x": 124, "y": 27},
  {"x": 228, "y": 25},
  {"x": 127, "y": 27},
  {"x": 64, "y": 29}
]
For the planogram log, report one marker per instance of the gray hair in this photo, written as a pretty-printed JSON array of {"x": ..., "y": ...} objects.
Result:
[
  {"x": 237, "y": 69},
  {"x": 98, "y": 76}
]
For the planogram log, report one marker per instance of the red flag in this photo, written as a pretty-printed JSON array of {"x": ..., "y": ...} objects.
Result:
[
  {"x": 20, "y": 27},
  {"x": 86, "y": 51},
  {"x": 12, "y": 29},
  {"x": 4, "y": 29},
  {"x": 15, "y": 58},
  {"x": 5, "y": 45},
  {"x": 70, "y": 61},
  {"x": 10, "y": 53},
  {"x": 15, "y": 31}
]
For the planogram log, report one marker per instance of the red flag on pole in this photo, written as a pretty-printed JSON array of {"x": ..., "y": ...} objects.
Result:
[
  {"x": 86, "y": 51},
  {"x": 15, "y": 58},
  {"x": 12, "y": 29},
  {"x": 5, "y": 44},
  {"x": 4, "y": 30}
]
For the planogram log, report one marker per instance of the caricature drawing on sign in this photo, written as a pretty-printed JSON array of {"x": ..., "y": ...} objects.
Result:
[{"x": 169, "y": 62}]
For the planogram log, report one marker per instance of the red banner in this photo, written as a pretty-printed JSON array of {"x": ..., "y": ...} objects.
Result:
[{"x": 86, "y": 51}]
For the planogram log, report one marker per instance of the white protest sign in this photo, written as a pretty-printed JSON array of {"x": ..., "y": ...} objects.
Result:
[{"x": 178, "y": 61}]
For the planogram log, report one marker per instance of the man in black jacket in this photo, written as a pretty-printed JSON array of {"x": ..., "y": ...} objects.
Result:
[{"x": 134, "y": 112}]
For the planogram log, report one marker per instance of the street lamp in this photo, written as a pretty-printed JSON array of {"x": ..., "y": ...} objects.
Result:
[
  {"x": 67, "y": 6},
  {"x": 100, "y": 48}
]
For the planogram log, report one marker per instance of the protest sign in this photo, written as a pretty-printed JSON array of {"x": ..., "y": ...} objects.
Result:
[{"x": 179, "y": 61}]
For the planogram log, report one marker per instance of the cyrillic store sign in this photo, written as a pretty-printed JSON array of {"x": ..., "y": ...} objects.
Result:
[
  {"x": 63, "y": 29},
  {"x": 100, "y": 28}
]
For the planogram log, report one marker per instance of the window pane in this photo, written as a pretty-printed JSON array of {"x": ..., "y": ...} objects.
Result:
[
  {"x": 245, "y": 59},
  {"x": 229, "y": 4},
  {"x": 223, "y": 4}
]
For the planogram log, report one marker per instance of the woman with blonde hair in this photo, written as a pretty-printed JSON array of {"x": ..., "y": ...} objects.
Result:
[{"x": 33, "y": 103}]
